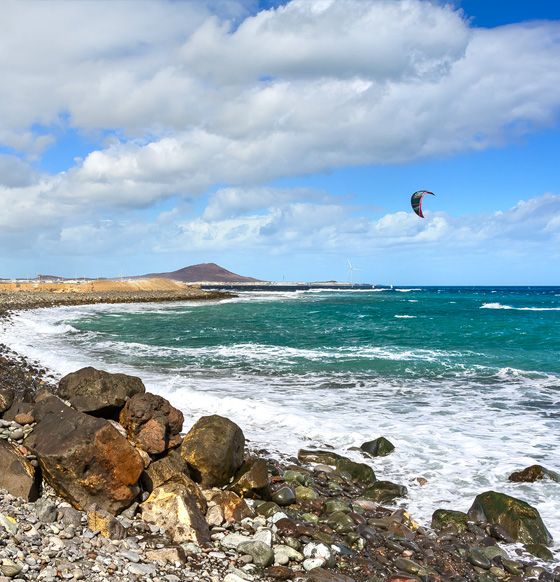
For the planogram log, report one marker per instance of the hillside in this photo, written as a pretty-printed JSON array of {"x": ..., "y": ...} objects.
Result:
[{"x": 202, "y": 272}]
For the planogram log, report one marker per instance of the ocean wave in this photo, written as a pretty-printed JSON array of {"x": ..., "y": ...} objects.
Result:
[{"x": 500, "y": 306}]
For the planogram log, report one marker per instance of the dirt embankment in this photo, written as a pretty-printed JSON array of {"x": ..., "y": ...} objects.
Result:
[{"x": 31, "y": 296}]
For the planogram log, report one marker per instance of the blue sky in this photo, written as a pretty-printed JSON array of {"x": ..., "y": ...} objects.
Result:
[{"x": 280, "y": 139}]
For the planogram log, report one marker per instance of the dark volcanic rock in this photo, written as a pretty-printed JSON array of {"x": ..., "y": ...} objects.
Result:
[
  {"x": 520, "y": 520},
  {"x": 98, "y": 392},
  {"x": 213, "y": 449},
  {"x": 85, "y": 459},
  {"x": 152, "y": 423},
  {"x": 384, "y": 491},
  {"x": 533, "y": 473},
  {"x": 378, "y": 447},
  {"x": 444, "y": 517}
]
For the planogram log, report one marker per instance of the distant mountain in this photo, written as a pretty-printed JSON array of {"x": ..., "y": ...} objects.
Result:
[{"x": 203, "y": 272}]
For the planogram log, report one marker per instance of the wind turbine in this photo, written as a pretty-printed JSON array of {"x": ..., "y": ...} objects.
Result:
[{"x": 351, "y": 271}]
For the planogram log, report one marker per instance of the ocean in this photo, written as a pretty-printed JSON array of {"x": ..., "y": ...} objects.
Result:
[{"x": 465, "y": 382}]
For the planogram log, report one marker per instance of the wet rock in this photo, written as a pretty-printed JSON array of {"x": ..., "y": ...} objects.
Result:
[
  {"x": 444, "y": 517},
  {"x": 384, "y": 491},
  {"x": 284, "y": 496},
  {"x": 98, "y": 392},
  {"x": 519, "y": 519},
  {"x": 534, "y": 473},
  {"x": 323, "y": 457},
  {"x": 540, "y": 551},
  {"x": 213, "y": 449},
  {"x": 360, "y": 471},
  {"x": 152, "y": 423},
  {"x": 477, "y": 558},
  {"x": 378, "y": 447}
]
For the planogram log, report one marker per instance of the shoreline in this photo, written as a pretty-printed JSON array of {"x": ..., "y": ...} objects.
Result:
[{"x": 29, "y": 377}]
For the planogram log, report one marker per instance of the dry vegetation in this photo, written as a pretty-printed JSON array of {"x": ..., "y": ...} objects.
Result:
[{"x": 95, "y": 286}]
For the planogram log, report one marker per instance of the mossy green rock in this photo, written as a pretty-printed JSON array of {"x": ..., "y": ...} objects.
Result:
[
  {"x": 384, "y": 491},
  {"x": 305, "y": 493},
  {"x": 378, "y": 447},
  {"x": 359, "y": 471},
  {"x": 517, "y": 517},
  {"x": 267, "y": 509},
  {"x": 540, "y": 551},
  {"x": 321, "y": 457},
  {"x": 334, "y": 505},
  {"x": 443, "y": 517},
  {"x": 293, "y": 476}
]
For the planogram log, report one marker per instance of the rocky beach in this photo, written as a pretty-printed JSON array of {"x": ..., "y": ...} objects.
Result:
[{"x": 100, "y": 483}]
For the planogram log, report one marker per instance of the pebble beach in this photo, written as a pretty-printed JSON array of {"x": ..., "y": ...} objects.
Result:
[{"x": 317, "y": 525}]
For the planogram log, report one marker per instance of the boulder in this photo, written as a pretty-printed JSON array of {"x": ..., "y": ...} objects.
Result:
[
  {"x": 213, "y": 449},
  {"x": 98, "y": 392},
  {"x": 152, "y": 423},
  {"x": 18, "y": 476},
  {"x": 534, "y": 473},
  {"x": 7, "y": 396},
  {"x": 162, "y": 470},
  {"x": 384, "y": 491},
  {"x": 321, "y": 457},
  {"x": 172, "y": 508},
  {"x": 234, "y": 509},
  {"x": 251, "y": 481},
  {"x": 360, "y": 471},
  {"x": 521, "y": 521},
  {"x": 444, "y": 517},
  {"x": 108, "y": 526},
  {"x": 18, "y": 407},
  {"x": 378, "y": 447},
  {"x": 84, "y": 458}
]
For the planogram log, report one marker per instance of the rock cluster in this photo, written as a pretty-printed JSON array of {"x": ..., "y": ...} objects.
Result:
[{"x": 87, "y": 497}]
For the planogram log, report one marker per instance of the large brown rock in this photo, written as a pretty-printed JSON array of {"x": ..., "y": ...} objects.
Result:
[
  {"x": 251, "y": 481},
  {"x": 17, "y": 474},
  {"x": 213, "y": 449},
  {"x": 7, "y": 396},
  {"x": 152, "y": 423},
  {"x": 234, "y": 508},
  {"x": 521, "y": 521},
  {"x": 164, "y": 469},
  {"x": 98, "y": 392},
  {"x": 172, "y": 508},
  {"x": 84, "y": 458}
]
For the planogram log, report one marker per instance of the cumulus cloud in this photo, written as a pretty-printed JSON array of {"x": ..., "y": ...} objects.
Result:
[{"x": 203, "y": 95}]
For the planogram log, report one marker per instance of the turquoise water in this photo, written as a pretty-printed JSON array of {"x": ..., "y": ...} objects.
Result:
[{"x": 464, "y": 381}]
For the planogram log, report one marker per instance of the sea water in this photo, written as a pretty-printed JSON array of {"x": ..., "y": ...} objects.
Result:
[{"x": 465, "y": 382}]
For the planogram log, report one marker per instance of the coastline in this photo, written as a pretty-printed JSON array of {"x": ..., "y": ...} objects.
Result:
[{"x": 31, "y": 377}]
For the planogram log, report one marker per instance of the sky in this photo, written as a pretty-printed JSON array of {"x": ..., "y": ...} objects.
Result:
[{"x": 282, "y": 139}]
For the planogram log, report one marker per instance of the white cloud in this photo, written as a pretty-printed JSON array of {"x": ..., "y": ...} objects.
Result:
[{"x": 198, "y": 94}]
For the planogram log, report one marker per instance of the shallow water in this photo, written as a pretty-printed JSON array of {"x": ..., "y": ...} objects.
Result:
[{"x": 464, "y": 381}]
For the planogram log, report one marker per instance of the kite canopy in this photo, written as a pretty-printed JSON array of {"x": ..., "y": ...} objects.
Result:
[{"x": 416, "y": 201}]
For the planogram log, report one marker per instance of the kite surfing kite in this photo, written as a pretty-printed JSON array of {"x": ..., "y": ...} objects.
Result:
[{"x": 416, "y": 201}]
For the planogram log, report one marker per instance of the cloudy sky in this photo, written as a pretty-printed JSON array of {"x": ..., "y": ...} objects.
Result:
[{"x": 281, "y": 138}]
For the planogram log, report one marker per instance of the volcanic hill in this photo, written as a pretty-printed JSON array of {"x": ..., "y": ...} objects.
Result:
[{"x": 202, "y": 272}]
